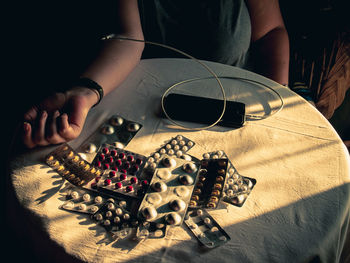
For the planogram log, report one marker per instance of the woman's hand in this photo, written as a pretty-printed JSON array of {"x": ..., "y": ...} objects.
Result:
[{"x": 58, "y": 118}]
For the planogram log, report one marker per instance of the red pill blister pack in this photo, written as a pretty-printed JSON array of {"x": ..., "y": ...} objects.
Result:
[
  {"x": 237, "y": 187},
  {"x": 121, "y": 174},
  {"x": 69, "y": 164},
  {"x": 210, "y": 184},
  {"x": 115, "y": 131},
  {"x": 170, "y": 190},
  {"x": 208, "y": 232}
]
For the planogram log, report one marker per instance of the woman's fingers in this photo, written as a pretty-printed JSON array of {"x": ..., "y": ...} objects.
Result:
[
  {"x": 52, "y": 135},
  {"x": 39, "y": 132},
  {"x": 27, "y": 135}
]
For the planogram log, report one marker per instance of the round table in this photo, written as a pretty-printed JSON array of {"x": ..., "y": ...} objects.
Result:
[{"x": 298, "y": 210}]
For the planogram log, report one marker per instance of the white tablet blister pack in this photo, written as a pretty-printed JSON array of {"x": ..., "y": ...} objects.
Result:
[
  {"x": 237, "y": 187},
  {"x": 79, "y": 200},
  {"x": 116, "y": 131},
  {"x": 205, "y": 228},
  {"x": 115, "y": 219},
  {"x": 170, "y": 190}
]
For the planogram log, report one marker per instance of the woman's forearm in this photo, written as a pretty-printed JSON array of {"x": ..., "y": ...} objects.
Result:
[
  {"x": 116, "y": 60},
  {"x": 272, "y": 53}
]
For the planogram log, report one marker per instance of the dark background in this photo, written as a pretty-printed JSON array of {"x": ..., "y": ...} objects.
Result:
[{"x": 47, "y": 44}]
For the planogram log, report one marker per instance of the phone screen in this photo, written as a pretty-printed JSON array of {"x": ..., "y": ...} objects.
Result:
[{"x": 204, "y": 110}]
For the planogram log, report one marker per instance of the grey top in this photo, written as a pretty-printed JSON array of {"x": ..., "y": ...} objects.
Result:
[{"x": 214, "y": 30}]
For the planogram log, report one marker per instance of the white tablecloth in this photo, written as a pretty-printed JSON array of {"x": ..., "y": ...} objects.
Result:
[{"x": 297, "y": 212}]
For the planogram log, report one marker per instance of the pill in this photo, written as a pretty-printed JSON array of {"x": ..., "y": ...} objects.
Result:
[
  {"x": 171, "y": 152},
  {"x": 195, "y": 197},
  {"x": 116, "y": 120},
  {"x": 156, "y": 156},
  {"x": 68, "y": 205},
  {"x": 108, "y": 130},
  {"x": 112, "y": 174},
  {"x": 98, "y": 200},
  {"x": 107, "y": 222},
  {"x": 126, "y": 216},
  {"x": 220, "y": 153},
  {"x": 190, "y": 143},
  {"x": 194, "y": 226},
  {"x": 107, "y": 182},
  {"x": 86, "y": 197},
  {"x": 133, "y": 127},
  {"x": 211, "y": 205},
  {"x": 189, "y": 167},
  {"x": 129, "y": 188},
  {"x": 118, "y": 185},
  {"x": 98, "y": 217},
  {"x": 217, "y": 186},
  {"x": 173, "y": 218},
  {"x": 143, "y": 233},
  {"x": 207, "y": 220},
  {"x": 177, "y": 205},
  {"x": 93, "y": 209},
  {"x": 118, "y": 211},
  {"x": 219, "y": 178},
  {"x": 133, "y": 180},
  {"x": 168, "y": 146},
  {"x": 199, "y": 212},
  {"x": 193, "y": 203},
  {"x": 186, "y": 157},
  {"x": 179, "y": 137},
  {"x": 130, "y": 158},
  {"x": 206, "y": 156},
  {"x": 117, "y": 219},
  {"x": 106, "y": 166},
  {"x": 123, "y": 177},
  {"x": 159, "y": 186},
  {"x": 221, "y": 172},
  {"x": 118, "y": 162},
  {"x": 178, "y": 153},
  {"x": 182, "y": 143},
  {"x": 74, "y": 195},
  {"x": 109, "y": 214},
  {"x": 168, "y": 162},
  {"x": 186, "y": 179},
  {"x": 149, "y": 212}
]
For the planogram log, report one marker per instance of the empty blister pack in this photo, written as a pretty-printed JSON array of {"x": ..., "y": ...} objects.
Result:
[
  {"x": 170, "y": 190},
  {"x": 115, "y": 219},
  {"x": 205, "y": 228},
  {"x": 237, "y": 187},
  {"x": 121, "y": 173},
  {"x": 151, "y": 230},
  {"x": 210, "y": 184},
  {"x": 115, "y": 131},
  {"x": 81, "y": 201},
  {"x": 67, "y": 163}
]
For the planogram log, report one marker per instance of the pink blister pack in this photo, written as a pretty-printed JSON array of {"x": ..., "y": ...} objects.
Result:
[{"x": 121, "y": 173}]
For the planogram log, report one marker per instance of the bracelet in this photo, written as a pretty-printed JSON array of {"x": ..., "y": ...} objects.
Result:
[{"x": 90, "y": 84}]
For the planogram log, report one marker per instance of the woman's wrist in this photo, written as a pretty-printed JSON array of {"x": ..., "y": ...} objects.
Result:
[{"x": 91, "y": 96}]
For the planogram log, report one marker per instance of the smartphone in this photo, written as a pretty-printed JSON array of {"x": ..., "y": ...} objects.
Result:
[{"x": 204, "y": 110}]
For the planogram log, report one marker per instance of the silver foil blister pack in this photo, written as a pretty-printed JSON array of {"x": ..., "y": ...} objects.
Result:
[
  {"x": 237, "y": 187},
  {"x": 208, "y": 232},
  {"x": 79, "y": 200},
  {"x": 115, "y": 219},
  {"x": 115, "y": 131},
  {"x": 170, "y": 190}
]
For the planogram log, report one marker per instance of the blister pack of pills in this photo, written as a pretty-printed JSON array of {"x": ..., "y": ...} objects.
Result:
[
  {"x": 237, "y": 187},
  {"x": 170, "y": 190},
  {"x": 151, "y": 230},
  {"x": 210, "y": 184},
  {"x": 71, "y": 166},
  {"x": 115, "y": 219},
  {"x": 177, "y": 146},
  {"x": 121, "y": 176},
  {"x": 205, "y": 228},
  {"x": 115, "y": 131},
  {"x": 79, "y": 200}
]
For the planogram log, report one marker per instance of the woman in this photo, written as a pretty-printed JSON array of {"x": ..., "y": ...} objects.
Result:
[{"x": 60, "y": 117}]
